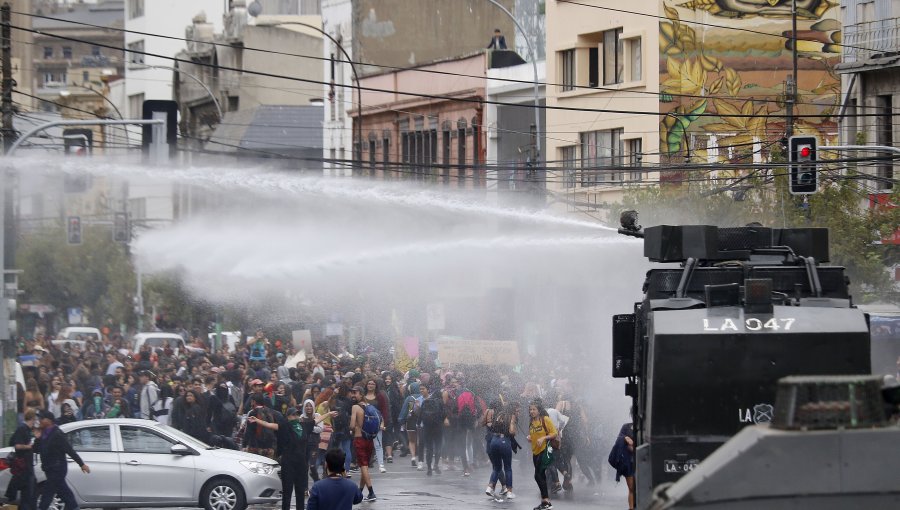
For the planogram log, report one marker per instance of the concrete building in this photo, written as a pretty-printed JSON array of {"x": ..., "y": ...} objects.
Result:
[
  {"x": 163, "y": 17},
  {"x": 871, "y": 83},
  {"x": 422, "y": 138},
  {"x": 23, "y": 55},
  {"x": 67, "y": 70},
  {"x": 340, "y": 91},
  {"x": 701, "y": 83}
]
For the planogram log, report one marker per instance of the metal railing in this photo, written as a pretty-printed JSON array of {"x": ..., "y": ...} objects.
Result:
[{"x": 863, "y": 41}]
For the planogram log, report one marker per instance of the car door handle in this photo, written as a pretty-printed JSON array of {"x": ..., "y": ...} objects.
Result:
[{"x": 133, "y": 463}]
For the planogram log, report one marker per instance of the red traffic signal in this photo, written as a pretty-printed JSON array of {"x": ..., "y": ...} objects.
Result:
[{"x": 805, "y": 151}]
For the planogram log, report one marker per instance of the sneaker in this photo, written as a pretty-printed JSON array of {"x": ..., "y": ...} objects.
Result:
[
  {"x": 381, "y": 469},
  {"x": 466, "y": 473},
  {"x": 544, "y": 506},
  {"x": 510, "y": 495},
  {"x": 429, "y": 472},
  {"x": 390, "y": 460},
  {"x": 556, "y": 488},
  {"x": 489, "y": 491},
  {"x": 414, "y": 463},
  {"x": 420, "y": 466},
  {"x": 503, "y": 491},
  {"x": 437, "y": 471},
  {"x": 369, "y": 498}
]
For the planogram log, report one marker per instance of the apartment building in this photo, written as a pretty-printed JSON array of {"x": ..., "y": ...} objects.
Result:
[
  {"x": 682, "y": 96},
  {"x": 871, "y": 83}
]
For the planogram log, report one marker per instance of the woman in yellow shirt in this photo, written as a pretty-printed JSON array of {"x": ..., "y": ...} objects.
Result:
[{"x": 540, "y": 432}]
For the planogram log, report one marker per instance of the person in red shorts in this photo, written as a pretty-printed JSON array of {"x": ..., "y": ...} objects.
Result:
[{"x": 362, "y": 447}]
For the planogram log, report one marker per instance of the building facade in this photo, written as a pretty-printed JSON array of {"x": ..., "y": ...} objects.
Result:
[
  {"x": 870, "y": 71},
  {"x": 148, "y": 76},
  {"x": 426, "y": 139},
  {"x": 72, "y": 69},
  {"x": 680, "y": 96}
]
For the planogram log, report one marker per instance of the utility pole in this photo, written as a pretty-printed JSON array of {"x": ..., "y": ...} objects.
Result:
[
  {"x": 9, "y": 134},
  {"x": 793, "y": 82}
]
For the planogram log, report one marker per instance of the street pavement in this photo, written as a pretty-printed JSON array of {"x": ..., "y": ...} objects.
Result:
[{"x": 405, "y": 487}]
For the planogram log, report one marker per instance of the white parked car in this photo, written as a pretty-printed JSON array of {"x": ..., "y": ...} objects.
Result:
[
  {"x": 158, "y": 339},
  {"x": 141, "y": 463},
  {"x": 77, "y": 335}
]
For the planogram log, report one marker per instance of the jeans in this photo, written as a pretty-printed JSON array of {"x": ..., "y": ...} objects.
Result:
[
  {"x": 379, "y": 449},
  {"x": 540, "y": 476},
  {"x": 294, "y": 477},
  {"x": 345, "y": 444},
  {"x": 431, "y": 444},
  {"x": 55, "y": 485},
  {"x": 500, "y": 453}
]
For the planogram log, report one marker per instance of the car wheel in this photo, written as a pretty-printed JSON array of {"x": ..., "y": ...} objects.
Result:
[{"x": 223, "y": 494}]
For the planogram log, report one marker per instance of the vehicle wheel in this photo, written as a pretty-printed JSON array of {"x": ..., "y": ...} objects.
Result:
[{"x": 223, "y": 494}]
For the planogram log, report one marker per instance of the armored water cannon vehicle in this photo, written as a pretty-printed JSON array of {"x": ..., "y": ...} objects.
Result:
[{"x": 703, "y": 351}]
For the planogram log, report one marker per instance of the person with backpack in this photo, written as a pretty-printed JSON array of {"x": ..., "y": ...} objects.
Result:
[
  {"x": 149, "y": 402},
  {"x": 223, "y": 412},
  {"x": 22, "y": 482},
  {"x": 433, "y": 417},
  {"x": 464, "y": 414},
  {"x": 621, "y": 458},
  {"x": 501, "y": 425},
  {"x": 541, "y": 433},
  {"x": 365, "y": 422},
  {"x": 409, "y": 418},
  {"x": 340, "y": 423},
  {"x": 376, "y": 397}
]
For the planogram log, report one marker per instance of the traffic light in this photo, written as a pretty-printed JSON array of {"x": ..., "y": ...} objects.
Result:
[
  {"x": 804, "y": 172},
  {"x": 73, "y": 229},
  {"x": 8, "y": 325},
  {"x": 78, "y": 141},
  {"x": 120, "y": 228}
]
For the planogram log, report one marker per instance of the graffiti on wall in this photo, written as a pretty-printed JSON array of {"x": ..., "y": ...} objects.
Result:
[{"x": 724, "y": 65}]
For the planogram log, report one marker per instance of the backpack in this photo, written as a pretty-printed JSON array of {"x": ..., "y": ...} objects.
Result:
[
  {"x": 466, "y": 410},
  {"x": 371, "y": 424},
  {"x": 431, "y": 411}
]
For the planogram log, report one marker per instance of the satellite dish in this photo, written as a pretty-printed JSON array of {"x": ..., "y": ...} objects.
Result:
[{"x": 254, "y": 9}]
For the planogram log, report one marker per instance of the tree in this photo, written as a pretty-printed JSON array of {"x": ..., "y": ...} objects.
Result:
[
  {"x": 855, "y": 230},
  {"x": 96, "y": 275}
]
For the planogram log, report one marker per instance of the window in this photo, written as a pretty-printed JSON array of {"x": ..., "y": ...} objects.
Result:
[
  {"x": 635, "y": 159},
  {"x": 386, "y": 154},
  {"x": 593, "y": 67},
  {"x": 90, "y": 439},
  {"x": 601, "y": 151},
  {"x": 884, "y": 135},
  {"x": 48, "y": 79},
  {"x": 445, "y": 134},
  {"x": 613, "y": 58},
  {"x": 372, "y": 156},
  {"x": 85, "y": 77},
  {"x": 140, "y": 440},
  {"x": 67, "y": 52},
  {"x": 136, "y": 52},
  {"x": 136, "y": 106},
  {"x": 634, "y": 58},
  {"x": 95, "y": 51},
  {"x": 135, "y": 8},
  {"x": 567, "y": 155},
  {"x": 476, "y": 154},
  {"x": 567, "y": 69},
  {"x": 461, "y": 153},
  {"x": 48, "y": 52}
]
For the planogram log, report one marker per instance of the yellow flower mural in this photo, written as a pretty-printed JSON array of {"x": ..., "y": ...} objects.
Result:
[{"x": 728, "y": 81}]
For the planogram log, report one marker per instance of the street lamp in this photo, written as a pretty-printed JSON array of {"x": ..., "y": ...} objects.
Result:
[
  {"x": 199, "y": 82},
  {"x": 359, "y": 131},
  {"x": 67, "y": 93}
]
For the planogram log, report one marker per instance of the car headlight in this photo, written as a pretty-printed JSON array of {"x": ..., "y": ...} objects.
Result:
[{"x": 258, "y": 467}]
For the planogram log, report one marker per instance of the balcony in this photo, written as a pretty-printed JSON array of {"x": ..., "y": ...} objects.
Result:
[{"x": 872, "y": 42}]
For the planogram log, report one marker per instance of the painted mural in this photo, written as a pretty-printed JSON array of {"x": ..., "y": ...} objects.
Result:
[{"x": 723, "y": 68}]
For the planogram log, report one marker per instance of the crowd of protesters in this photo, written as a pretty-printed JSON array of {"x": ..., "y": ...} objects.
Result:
[{"x": 428, "y": 419}]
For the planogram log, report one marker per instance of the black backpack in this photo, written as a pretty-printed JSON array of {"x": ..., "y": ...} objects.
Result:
[
  {"x": 431, "y": 411},
  {"x": 341, "y": 422}
]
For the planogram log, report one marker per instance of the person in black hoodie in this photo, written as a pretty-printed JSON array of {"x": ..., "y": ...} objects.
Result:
[
  {"x": 291, "y": 443},
  {"x": 22, "y": 469},
  {"x": 53, "y": 447}
]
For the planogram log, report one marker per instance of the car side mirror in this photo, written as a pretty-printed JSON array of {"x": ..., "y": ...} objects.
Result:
[{"x": 180, "y": 449}]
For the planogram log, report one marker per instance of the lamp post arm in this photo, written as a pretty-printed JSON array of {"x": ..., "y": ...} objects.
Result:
[{"x": 199, "y": 82}]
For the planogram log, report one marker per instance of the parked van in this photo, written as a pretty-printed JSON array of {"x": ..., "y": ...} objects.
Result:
[
  {"x": 158, "y": 340},
  {"x": 77, "y": 335},
  {"x": 230, "y": 338}
]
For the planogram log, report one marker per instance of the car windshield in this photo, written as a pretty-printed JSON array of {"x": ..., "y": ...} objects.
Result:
[
  {"x": 185, "y": 438},
  {"x": 161, "y": 341},
  {"x": 72, "y": 335}
]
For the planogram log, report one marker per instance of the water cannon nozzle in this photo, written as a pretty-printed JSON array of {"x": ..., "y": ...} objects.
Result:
[{"x": 628, "y": 219}]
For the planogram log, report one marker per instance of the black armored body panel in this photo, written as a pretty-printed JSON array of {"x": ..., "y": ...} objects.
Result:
[{"x": 705, "y": 348}]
